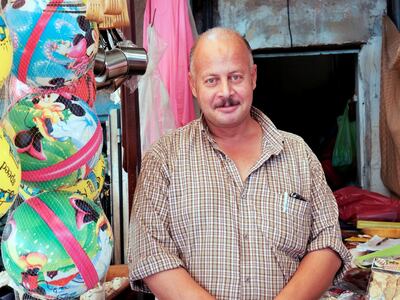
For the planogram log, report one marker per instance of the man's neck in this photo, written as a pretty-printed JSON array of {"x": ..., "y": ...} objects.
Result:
[
  {"x": 243, "y": 131},
  {"x": 242, "y": 144}
]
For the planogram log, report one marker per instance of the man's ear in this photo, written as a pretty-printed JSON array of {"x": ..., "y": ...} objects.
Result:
[
  {"x": 192, "y": 84},
  {"x": 254, "y": 75}
]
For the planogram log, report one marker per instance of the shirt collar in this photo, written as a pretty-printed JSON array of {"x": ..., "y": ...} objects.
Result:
[
  {"x": 272, "y": 138},
  {"x": 205, "y": 131}
]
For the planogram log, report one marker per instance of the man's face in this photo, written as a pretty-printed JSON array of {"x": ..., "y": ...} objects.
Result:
[{"x": 223, "y": 81}]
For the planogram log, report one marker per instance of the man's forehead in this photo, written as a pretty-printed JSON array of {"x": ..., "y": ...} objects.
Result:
[
  {"x": 220, "y": 36},
  {"x": 215, "y": 42}
]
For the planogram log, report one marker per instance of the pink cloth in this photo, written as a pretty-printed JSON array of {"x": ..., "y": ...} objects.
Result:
[{"x": 171, "y": 22}]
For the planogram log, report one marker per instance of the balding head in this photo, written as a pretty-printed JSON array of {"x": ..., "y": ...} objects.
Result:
[{"x": 218, "y": 34}]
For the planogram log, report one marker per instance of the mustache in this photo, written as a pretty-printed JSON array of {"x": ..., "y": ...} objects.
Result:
[{"x": 226, "y": 102}]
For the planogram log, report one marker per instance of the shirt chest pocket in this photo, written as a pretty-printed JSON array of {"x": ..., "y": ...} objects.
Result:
[{"x": 285, "y": 221}]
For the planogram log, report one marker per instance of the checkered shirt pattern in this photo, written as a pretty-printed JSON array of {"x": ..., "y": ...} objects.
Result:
[{"x": 238, "y": 240}]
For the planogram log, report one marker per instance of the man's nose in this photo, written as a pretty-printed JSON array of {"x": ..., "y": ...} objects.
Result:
[{"x": 226, "y": 88}]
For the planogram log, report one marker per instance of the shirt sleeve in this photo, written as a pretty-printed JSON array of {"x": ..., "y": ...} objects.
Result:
[
  {"x": 325, "y": 231},
  {"x": 150, "y": 247}
]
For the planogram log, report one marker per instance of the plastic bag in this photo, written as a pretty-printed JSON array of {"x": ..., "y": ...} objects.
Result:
[
  {"x": 358, "y": 204},
  {"x": 385, "y": 279},
  {"x": 156, "y": 116},
  {"x": 345, "y": 150}
]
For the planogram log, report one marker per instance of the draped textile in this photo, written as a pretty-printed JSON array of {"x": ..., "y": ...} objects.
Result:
[
  {"x": 156, "y": 117},
  {"x": 171, "y": 22}
]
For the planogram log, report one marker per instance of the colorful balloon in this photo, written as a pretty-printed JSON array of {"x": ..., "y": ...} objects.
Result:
[
  {"x": 91, "y": 186},
  {"x": 17, "y": 90},
  {"x": 59, "y": 139},
  {"x": 53, "y": 42},
  {"x": 10, "y": 172},
  {"x": 83, "y": 88},
  {"x": 6, "y": 51},
  {"x": 57, "y": 245},
  {"x": 26, "y": 192}
]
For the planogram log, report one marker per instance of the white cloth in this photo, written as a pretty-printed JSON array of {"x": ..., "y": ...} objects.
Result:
[{"x": 156, "y": 116}]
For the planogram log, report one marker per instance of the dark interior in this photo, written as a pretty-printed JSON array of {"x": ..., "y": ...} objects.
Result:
[{"x": 304, "y": 94}]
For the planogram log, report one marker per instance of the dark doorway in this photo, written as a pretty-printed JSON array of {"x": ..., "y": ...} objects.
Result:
[{"x": 304, "y": 94}]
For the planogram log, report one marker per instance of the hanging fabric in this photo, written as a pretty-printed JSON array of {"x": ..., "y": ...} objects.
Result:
[
  {"x": 156, "y": 117},
  {"x": 171, "y": 22}
]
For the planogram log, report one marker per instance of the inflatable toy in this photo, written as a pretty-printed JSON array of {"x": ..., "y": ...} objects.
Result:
[
  {"x": 6, "y": 51},
  {"x": 84, "y": 88},
  {"x": 53, "y": 42},
  {"x": 92, "y": 185},
  {"x": 10, "y": 173},
  {"x": 58, "y": 139},
  {"x": 57, "y": 245}
]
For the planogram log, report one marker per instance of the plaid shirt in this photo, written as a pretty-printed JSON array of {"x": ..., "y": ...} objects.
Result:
[{"x": 238, "y": 240}]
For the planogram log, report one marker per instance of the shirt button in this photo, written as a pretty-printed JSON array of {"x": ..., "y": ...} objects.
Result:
[
  {"x": 243, "y": 196},
  {"x": 246, "y": 236},
  {"x": 247, "y": 280}
]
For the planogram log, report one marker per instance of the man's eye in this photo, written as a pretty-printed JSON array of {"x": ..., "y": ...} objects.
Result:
[
  {"x": 236, "y": 77},
  {"x": 210, "y": 80}
]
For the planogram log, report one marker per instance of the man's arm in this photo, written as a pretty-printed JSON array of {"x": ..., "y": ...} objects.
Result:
[
  {"x": 176, "y": 284},
  {"x": 313, "y": 276}
]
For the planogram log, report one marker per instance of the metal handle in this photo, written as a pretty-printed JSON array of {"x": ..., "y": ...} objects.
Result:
[{"x": 119, "y": 62}]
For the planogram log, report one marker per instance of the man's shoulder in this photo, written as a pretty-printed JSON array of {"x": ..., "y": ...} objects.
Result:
[
  {"x": 176, "y": 140},
  {"x": 182, "y": 134},
  {"x": 294, "y": 141},
  {"x": 291, "y": 137}
]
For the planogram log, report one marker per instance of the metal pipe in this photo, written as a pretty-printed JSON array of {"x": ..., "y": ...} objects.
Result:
[
  {"x": 137, "y": 60},
  {"x": 113, "y": 67}
]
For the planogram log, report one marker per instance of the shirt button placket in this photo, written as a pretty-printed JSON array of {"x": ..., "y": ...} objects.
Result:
[
  {"x": 246, "y": 280},
  {"x": 245, "y": 262}
]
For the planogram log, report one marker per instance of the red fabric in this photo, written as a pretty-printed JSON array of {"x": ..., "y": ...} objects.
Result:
[
  {"x": 334, "y": 180},
  {"x": 358, "y": 204}
]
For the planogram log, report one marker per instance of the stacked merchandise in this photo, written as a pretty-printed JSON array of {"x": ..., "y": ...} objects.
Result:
[
  {"x": 57, "y": 241},
  {"x": 371, "y": 230}
]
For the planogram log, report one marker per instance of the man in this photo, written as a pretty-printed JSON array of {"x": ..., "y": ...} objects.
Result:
[{"x": 229, "y": 207}]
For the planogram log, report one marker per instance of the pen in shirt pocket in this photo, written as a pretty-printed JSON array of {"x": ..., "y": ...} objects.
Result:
[
  {"x": 297, "y": 196},
  {"x": 291, "y": 195}
]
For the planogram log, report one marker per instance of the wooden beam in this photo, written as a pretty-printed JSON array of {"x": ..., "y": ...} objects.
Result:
[{"x": 130, "y": 121}]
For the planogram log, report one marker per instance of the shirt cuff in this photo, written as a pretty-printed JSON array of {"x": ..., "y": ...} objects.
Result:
[
  {"x": 149, "y": 266},
  {"x": 335, "y": 244}
]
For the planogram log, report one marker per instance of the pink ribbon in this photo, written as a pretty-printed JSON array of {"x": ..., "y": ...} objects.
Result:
[
  {"x": 34, "y": 38},
  {"x": 69, "y": 242},
  {"x": 69, "y": 165}
]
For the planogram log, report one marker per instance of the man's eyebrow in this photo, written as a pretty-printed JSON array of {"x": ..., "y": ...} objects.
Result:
[{"x": 210, "y": 74}]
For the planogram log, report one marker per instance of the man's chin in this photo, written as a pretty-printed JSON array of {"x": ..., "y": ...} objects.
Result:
[{"x": 227, "y": 121}]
